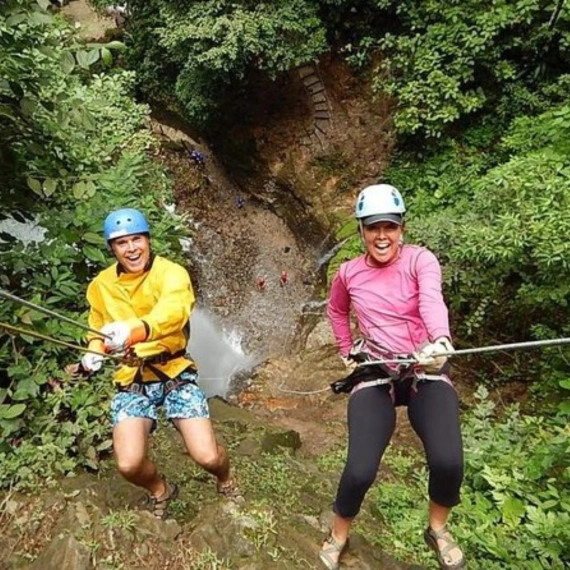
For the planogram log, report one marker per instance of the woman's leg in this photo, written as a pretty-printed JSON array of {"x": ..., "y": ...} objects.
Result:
[
  {"x": 371, "y": 422},
  {"x": 434, "y": 415}
]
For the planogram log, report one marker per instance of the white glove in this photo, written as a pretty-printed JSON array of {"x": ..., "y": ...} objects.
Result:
[
  {"x": 124, "y": 334},
  {"x": 120, "y": 334},
  {"x": 431, "y": 357},
  {"x": 92, "y": 362}
]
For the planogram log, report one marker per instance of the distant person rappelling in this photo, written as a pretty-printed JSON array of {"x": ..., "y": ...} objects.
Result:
[
  {"x": 198, "y": 158},
  {"x": 283, "y": 278}
]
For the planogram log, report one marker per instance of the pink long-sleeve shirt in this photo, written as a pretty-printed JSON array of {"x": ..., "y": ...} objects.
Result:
[{"x": 399, "y": 306}]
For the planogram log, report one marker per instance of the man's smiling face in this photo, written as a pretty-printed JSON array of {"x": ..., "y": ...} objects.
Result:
[{"x": 132, "y": 252}]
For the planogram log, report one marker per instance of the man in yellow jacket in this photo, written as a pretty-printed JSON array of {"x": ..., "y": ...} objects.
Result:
[{"x": 142, "y": 304}]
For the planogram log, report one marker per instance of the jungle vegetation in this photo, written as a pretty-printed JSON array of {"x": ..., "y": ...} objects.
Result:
[{"x": 482, "y": 123}]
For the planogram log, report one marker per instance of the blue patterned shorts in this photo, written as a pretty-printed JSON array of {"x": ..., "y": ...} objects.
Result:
[{"x": 185, "y": 402}]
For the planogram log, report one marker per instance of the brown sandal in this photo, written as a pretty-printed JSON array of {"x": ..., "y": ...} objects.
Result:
[
  {"x": 432, "y": 536},
  {"x": 229, "y": 490},
  {"x": 158, "y": 506},
  {"x": 330, "y": 547}
]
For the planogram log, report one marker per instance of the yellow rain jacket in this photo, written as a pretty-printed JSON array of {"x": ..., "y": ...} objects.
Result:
[{"x": 162, "y": 297}]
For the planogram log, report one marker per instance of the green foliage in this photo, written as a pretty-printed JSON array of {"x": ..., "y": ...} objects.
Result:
[
  {"x": 208, "y": 560},
  {"x": 517, "y": 503},
  {"x": 445, "y": 62},
  {"x": 65, "y": 425},
  {"x": 73, "y": 148},
  {"x": 270, "y": 477},
  {"x": 504, "y": 240},
  {"x": 212, "y": 46}
]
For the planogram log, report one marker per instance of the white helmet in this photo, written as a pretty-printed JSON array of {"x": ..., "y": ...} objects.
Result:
[{"x": 380, "y": 203}]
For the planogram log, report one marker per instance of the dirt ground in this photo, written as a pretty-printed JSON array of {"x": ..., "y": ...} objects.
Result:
[{"x": 93, "y": 25}]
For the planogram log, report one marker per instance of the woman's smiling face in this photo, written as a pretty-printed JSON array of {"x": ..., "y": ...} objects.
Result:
[{"x": 382, "y": 241}]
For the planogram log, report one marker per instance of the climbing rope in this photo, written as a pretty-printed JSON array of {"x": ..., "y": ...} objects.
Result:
[
  {"x": 460, "y": 352},
  {"x": 50, "y": 313},
  {"x": 299, "y": 392},
  {"x": 34, "y": 334}
]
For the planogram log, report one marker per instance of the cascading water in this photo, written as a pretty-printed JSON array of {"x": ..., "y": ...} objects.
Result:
[
  {"x": 219, "y": 355},
  {"x": 253, "y": 274},
  {"x": 236, "y": 242},
  {"x": 328, "y": 255}
]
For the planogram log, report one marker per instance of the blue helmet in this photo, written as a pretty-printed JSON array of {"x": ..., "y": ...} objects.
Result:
[{"x": 124, "y": 222}]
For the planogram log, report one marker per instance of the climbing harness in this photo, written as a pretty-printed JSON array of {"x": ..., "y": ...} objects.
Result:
[
  {"x": 50, "y": 313},
  {"x": 374, "y": 372},
  {"x": 380, "y": 370},
  {"x": 137, "y": 385}
]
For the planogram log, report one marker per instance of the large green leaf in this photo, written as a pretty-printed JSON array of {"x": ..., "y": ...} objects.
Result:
[
  {"x": 35, "y": 185},
  {"x": 93, "y": 253},
  {"x": 50, "y": 186},
  {"x": 9, "y": 412}
]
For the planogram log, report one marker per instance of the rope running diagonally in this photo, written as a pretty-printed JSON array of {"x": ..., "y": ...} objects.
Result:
[
  {"x": 50, "y": 313},
  {"x": 40, "y": 336}
]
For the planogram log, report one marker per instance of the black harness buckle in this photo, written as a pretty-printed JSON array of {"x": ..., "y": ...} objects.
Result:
[{"x": 362, "y": 374}]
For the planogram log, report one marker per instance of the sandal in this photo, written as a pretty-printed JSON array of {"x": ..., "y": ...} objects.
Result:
[
  {"x": 229, "y": 490},
  {"x": 332, "y": 546},
  {"x": 159, "y": 505},
  {"x": 432, "y": 536}
]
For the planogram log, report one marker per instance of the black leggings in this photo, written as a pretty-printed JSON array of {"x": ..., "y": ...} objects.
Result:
[{"x": 433, "y": 411}]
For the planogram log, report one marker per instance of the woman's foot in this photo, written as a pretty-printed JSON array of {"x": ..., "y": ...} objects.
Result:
[
  {"x": 448, "y": 553},
  {"x": 331, "y": 551}
]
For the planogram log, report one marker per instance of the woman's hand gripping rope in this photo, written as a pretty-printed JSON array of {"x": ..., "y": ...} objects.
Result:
[{"x": 434, "y": 355}]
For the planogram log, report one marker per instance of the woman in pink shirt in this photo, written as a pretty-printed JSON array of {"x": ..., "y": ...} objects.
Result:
[{"x": 395, "y": 293}]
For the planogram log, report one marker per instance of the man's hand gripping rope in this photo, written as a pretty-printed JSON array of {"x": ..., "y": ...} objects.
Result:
[
  {"x": 117, "y": 339},
  {"x": 119, "y": 336}
]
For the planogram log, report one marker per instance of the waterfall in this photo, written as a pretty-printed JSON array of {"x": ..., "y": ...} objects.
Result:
[
  {"x": 328, "y": 255},
  {"x": 218, "y": 354}
]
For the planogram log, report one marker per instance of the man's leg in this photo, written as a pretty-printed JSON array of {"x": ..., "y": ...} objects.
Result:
[
  {"x": 200, "y": 441},
  {"x": 130, "y": 443},
  {"x": 133, "y": 418},
  {"x": 187, "y": 407}
]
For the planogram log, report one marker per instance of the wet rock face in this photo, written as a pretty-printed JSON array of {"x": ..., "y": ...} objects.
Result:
[
  {"x": 238, "y": 255},
  {"x": 269, "y": 193}
]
